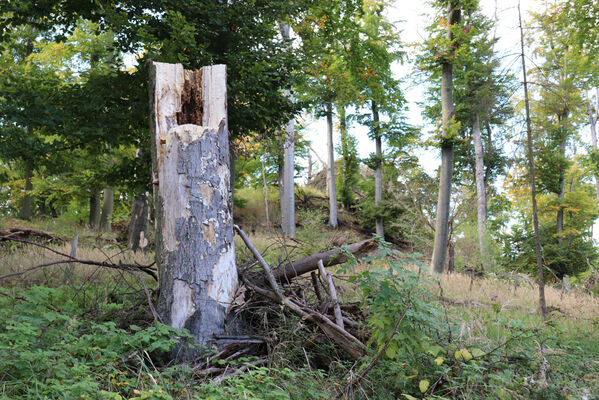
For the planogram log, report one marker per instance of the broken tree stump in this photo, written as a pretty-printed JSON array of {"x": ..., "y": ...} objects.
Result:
[{"x": 195, "y": 250}]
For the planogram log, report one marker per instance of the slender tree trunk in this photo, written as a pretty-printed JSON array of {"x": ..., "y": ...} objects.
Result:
[
  {"x": 138, "y": 224},
  {"x": 562, "y": 179},
  {"x": 310, "y": 165},
  {"x": 442, "y": 222},
  {"x": 345, "y": 189},
  {"x": 481, "y": 191},
  {"x": 27, "y": 205},
  {"x": 378, "y": 172},
  {"x": 331, "y": 175},
  {"x": 107, "y": 207},
  {"x": 95, "y": 208},
  {"x": 531, "y": 170},
  {"x": 195, "y": 250},
  {"x": 593, "y": 116},
  {"x": 288, "y": 199}
]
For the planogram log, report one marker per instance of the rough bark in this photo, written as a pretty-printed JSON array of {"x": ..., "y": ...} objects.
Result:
[
  {"x": 378, "y": 172},
  {"x": 95, "y": 208},
  {"x": 443, "y": 202},
  {"x": 288, "y": 193},
  {"x": 531, "y": 172},
  {"x": 107, "y": 207},
  {"x": 138, "y": 224},
  {"x": 481, "y": 191},
  {"x": 194, "y": 227},
  {"x": 27, "y": 204},
  {"x": 331, "y": 175}
]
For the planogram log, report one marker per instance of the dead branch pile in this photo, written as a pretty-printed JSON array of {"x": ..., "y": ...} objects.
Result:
[{"x": 283, "y": 287}]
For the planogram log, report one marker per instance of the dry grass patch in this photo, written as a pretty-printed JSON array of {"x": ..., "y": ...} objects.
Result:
[
  {"x": 525, "y": 296},
  {"x": 16, "y": 257}
]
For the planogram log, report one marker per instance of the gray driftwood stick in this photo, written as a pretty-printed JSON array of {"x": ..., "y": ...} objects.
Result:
[
  {"x": 329, "y": 258},
  {"x": 329, "y": 280},
  {"x": 263, "y": 263}
]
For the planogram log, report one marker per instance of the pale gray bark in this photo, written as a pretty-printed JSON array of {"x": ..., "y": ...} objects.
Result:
[
  {"x": 95, "y": 208},
  {"x": 310, "y": 165},
  {"x": 288, "y": 193},
  {"x": 481, "y": 191},
  {"x": 378, "y": 172},
  {"x": 138, "y": 224},
  {"x": 442, "y": 222},
  {"x": 27, "y": 204},
  {"x": 331, "y": 175},
  {"x": 107, "y": 207},
  {"x": 195, "y": 250},
  {"x": 531, "y": 172}
]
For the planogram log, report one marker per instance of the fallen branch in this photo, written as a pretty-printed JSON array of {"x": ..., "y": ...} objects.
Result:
[
  {"x": 329, "y": 258},
  {"x": 333, "y": 291},
  {"x": 69, "y": 260},
  {"x": 26, "y": 233}
]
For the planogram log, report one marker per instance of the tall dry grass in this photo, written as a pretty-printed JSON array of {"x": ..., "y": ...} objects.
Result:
[{"x": 16, "y": 257}]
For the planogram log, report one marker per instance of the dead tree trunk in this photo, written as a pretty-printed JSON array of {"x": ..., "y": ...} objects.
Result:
[
  {"x": 195, "y": 251},
  {"x": 138, "y": 225}
]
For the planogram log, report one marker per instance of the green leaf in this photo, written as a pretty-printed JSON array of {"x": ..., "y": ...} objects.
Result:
[
  {"x": 407, "y": 396},
  {"x": 424, "y": 385}
]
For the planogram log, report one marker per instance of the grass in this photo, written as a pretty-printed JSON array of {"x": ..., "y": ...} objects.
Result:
[{"x": 482, "y": 313}]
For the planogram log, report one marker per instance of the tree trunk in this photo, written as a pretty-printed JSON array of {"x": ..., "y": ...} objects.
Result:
[
  {"x": 95, "y": 209},
  {"x": 138, "y": 225},
  {"x": 27, "y": 205},
  {"x": 559, "y": 226},
  {"x": 345, "y": 189},
  {"x": 288, "y": 199},
  {"x": 593, "y": 116},
  {"x": 442, "y": 222},
  {"x": 265, "y": 195},
  {"x": 331, "y": 176},
  {"x": 195, "y": 250},
  {"x": 378, "y": 172},
  {"x": 107, "y": 207},
  {"x": 481, "y": 191},
  {"x": 310, "y": 164},
  {"x": 533, "y": 189}
]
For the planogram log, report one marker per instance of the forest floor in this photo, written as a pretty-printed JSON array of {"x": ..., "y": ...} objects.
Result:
[{"x": 83, "y": 331}]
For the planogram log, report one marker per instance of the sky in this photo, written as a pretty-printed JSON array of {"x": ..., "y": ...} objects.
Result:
[{"x": 411, "y": 19}]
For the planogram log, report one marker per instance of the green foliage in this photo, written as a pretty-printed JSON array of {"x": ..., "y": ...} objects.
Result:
[
  {"x": 391, "y": 290},
  {"x": 63, "y": 355}
]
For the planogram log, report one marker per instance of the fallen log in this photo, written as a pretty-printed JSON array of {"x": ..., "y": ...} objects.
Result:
[
  {"x": 329, "y": 258},
  {"x": 29, "y": 234}
]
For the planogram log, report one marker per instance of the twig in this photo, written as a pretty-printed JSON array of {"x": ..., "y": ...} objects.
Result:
[{"x": 263, "y": 263}]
